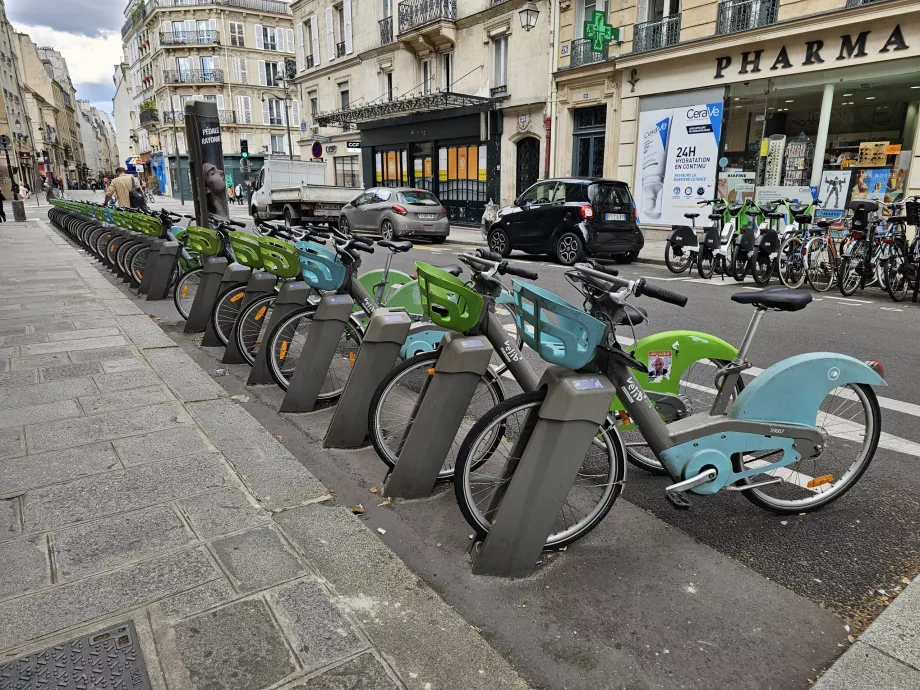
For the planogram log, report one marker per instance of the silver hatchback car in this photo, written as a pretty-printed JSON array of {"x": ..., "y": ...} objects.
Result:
[{"x": 395, "y": 212}]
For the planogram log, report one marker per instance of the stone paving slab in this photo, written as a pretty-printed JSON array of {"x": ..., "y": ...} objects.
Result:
[
  {"x": 43, "y": 469},
  {"x": 256, "y": 559},
  {"x": 69, "y": 371},
  {"x": 364, "y": 672},
  {"x": 162, "y": 445},
  {"x": 31, "y": 394},
  {"x": 72, "y": 345},
  {"x": 125, "y": 400}
]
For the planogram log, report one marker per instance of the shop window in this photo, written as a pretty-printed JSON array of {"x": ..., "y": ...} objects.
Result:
[{"x": 347, "y": 171}]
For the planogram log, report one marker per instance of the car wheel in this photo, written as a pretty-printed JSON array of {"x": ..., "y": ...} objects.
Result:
[
  {"x": 569, "y": 249},
  {"x": 289, "y": 218},
  {"x": 627, "y": 258},
  {"x": 387, "y": 230},
  {"x": 499, "y": 242},
  {"x": 344, "y": 227},
  {"x": 438, "y": 240}
]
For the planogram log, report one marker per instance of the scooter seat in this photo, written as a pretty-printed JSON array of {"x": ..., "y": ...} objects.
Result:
[
  {"x": 396, "y": 246},
  {"x": 823, "y": 223},
  {"x": 453, "y": 269},
  {"x": 781, "y": 299}
]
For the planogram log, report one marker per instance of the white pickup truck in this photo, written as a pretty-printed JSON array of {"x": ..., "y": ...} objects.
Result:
[{"x": 296, "y": 191}]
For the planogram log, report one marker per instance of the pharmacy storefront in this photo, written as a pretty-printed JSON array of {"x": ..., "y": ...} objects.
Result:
[{"x": 797, "y": 113}]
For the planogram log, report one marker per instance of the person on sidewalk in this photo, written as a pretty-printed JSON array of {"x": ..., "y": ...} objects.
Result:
[
  {"x": 2, "y": 212},
  {"x": 120, "y": 188},
  {"x": 23, "y": 192}
]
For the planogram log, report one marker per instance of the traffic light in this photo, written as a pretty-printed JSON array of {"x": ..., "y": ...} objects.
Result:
[{"x": 244, "y": 148}]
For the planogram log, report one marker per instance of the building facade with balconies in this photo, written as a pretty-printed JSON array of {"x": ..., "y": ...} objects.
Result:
[
  {"x": 445, "y": 95},
  {"x": 744, "y": 100},
  {"x": 235, "y": 53}
]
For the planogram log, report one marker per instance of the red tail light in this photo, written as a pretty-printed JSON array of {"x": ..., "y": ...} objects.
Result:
[
  {"x": 586, "y": 212},
  {"x": 443, "y": 211},
  {"x": 413, "y": 276},
  {"x": 400, "y": 210},
  {"x": 877, "y": 367},
  {"x": 635, "y": 214}
]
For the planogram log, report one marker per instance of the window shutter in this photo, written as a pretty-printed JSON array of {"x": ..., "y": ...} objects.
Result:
[
  {"x": 244, "y": 71},
  {"x": 212, "y": 24},
  {"x": 301, "y": 59},
  {"x": 220, "y": 102},
  {"x": 290, "y": 39},
  {"x": 177, "y": 105},
  {"x": 643, "y": 12},
  {"x": 190, "y": 26},
  {"x": 263, "y": 80},
  {"x": 266, "y": 119},
  {"x": 346, "y": 14},
  {"x": 330, "y": 35},
  {"x": 314, "y": 40},
  {"x": 295, "y": 114},
  {"x": 260, "y": 43},
  {"x": 239, "y": 111}
]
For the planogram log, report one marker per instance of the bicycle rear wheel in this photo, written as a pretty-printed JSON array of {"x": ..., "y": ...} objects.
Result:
[
  {"x": 850, "y": 275},
  {"x": 820, "y": 261},
  {"x": 897, "y": 283},
  {"x": 705, "y": 263},
  {"x": 791, "y": 261},
  {"x": 186, "y": 289},
  {"x": 849, "y": 419},
  {"x": 762, "y": 267},
  {"x": 677, "y": 259},
  {"x": 226, "y": 309},
  {"x": 485, "y": 468}
]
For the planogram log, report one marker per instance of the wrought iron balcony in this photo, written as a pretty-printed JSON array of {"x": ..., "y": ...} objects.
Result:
[
  {"x": 193, "y": 76},
  {"x": 583, "y": 53},
  {"x": 386, "y": 31},
  {"x": 658, "y": 34},
  {"x": 493, "y": 3},
  {"x": 272, "y": 6},
  {"x": 741, "y": 15},
  {"x": 415, "y": 13},
  {"x": 498, "y": 91},
  {"x": 226, "y": 117},
  {"x": 311, "y": 63},
  {"x": 860, "y": 3},
  {"x": 340, "y": 49},
  {"x": 187, "y": 38},
  {"x": 149, "y": 117}
]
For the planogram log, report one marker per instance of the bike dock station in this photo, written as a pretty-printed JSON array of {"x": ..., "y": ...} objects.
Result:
[
  {"x": 234, "y": 274},
  {"x": 161, "y": 272},
  {"x": 260, "y": 283},
  {"x": 291, "y": 296}
]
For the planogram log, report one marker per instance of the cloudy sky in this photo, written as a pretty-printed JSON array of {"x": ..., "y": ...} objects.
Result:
[{"x": 86, "y": 32}]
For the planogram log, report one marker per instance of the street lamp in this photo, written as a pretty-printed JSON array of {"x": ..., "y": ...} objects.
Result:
[
  {"x": 22, "y": 171},
  {"x": 528, "y": 14}
]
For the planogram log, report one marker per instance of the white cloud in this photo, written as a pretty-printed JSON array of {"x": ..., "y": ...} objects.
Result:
[{"x": 88, "y": 59}]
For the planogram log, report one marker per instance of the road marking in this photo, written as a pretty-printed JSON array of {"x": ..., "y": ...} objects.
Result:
[
  {"x": 852, "y": 431},
  {"x": 665, "y": 280},
  {"x": 849, "y": 299},
  {"x": 891, "y": 309}
]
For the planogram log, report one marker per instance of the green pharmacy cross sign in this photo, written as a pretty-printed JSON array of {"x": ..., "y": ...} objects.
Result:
[{"x": 600, "y": 32}]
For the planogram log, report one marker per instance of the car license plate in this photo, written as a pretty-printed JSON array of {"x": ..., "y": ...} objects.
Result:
[
  {"x": 426, "y": 216},
  {"x": 614, "y": 216}
]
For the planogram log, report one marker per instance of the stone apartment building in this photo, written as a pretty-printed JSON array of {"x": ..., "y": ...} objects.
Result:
[
  {"x": 233, "y": 52},
  {"x": 15, "y": 120},
  {"x": 65, "y": 98},
  {"x": 447, "y": 95},
  {"x": 98, "y": 140}
]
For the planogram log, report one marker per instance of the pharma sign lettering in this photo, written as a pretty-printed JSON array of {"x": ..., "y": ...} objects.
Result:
[{"x": 816, "y": 53}]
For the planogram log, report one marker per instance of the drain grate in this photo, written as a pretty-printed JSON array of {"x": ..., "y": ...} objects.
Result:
[{"x": 107, "y": 659}]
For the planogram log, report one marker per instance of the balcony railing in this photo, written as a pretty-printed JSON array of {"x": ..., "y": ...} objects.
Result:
[
  {"x": 386, "y": 31},
  {"x": 311, "y": 63},
  {"x": 493, "y": 3},
  {"x": 583, "y": 53},
  {"x": 741, "y": 15},
  {"x": 226, "y": 117},
  {"x": 273, "y": 6},
  {"x": 658, "y": 34},
  {"x": 185, "y": 38},
  {"x": 193, "y": 76},
  {"x": 498, "y": 91},
  {"x": 340, "y": 49},
  {"x": 149, "y": 117},
  {"x": 860, "y": 3},
  {"x": 415, "y": 13}
]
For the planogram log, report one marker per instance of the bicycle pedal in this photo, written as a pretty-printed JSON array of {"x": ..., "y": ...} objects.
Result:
[{"x": 679, "y": 500}]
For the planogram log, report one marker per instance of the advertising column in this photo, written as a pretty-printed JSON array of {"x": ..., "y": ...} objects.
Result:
[{"x": 206, "y": 160}]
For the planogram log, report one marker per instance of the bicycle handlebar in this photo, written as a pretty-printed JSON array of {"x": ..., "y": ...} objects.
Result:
[
  {"x": 504, "y": 268},
  {"x": 649, "y": 290},
  {"x": 490, "y": 255}
]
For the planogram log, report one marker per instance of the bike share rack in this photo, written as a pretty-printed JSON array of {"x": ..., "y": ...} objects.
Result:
[
  {"x": 212, "y": 272},
  {"x": 260, "y": 284},
  {"x": 155, "y": 245},
  {"x": 386, "y": 332},
  {"x": 332, "y": 313},
  {"x": 235, "y": 273},
  {"x": 166, "y": 262}
]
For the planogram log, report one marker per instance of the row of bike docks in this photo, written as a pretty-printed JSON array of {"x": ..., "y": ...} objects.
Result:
[{"x": 514, "y": 476}]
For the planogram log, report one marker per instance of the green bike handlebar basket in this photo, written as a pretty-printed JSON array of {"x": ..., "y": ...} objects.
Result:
[
  {"x": 571, "y": 343},
  {"x": 320, "y": 267},
  {"x": 246, "y": 249},
  {"x": 202, "y": 240},
  {"x": 147, "y": 225},
  {"x": 439, "y": 288},
  {"x": 279, "y": 257}
]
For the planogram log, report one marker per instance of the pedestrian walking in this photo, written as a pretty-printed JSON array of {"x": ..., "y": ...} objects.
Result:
[
  {"x": 49, "y": 189},
  {"x": 2, "y": 212},
  {"x": 23, "y": 192},
  {"x": 239, "y": 193},
  {"x": 231, "y": 194},
  {"x": 120, "y": 188}
]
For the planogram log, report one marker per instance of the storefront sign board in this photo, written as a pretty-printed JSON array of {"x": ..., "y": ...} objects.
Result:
[
  {"x": 737, "y": 187},
  {"x": 483, "y": 175}
]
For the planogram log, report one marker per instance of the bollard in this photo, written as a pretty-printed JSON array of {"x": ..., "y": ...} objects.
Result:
[
  {"x": 440, "y": 411},
  {"x": 208, "y": 290},
  {"x": 152, "y": 258},
  {"x": 260, "y": 283},
  {"x": 332, "y": 312},
  {"x": 291, "y": 296},
  {"x": 19, "y": 211},
  {"x": 163, "y": 270},
  {"x": 234, "y": 275},
  {"x": 523, "y": 514},
  {"x": 386, "y": 332}
]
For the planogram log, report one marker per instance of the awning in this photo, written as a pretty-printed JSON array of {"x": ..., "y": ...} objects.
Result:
[{"x": 404, "y": 106}]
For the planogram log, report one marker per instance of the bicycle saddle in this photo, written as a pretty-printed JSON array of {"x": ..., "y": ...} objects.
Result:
[
  {"x": 803, "y": 218},
  {"x": 718, "y": 209},
  {"x": 776, "y": 214},
  {"x": 691, "y": 215},
  {"x": 799, "y": 208},
  {"x": 781, "y": 299},
  {"x": 734, "y": 209},
  {"x": 396, "y": 246},
  {"x": 753, "y": 212},
  {"x": 823, "y": 223},
  {"x": 715, "y": 216},
  {"x": 453, "y": 269}
]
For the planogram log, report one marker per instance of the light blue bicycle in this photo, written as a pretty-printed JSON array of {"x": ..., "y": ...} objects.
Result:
[{"x": 796, "y": 438}]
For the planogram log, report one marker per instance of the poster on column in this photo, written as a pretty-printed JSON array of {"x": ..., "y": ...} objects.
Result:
[
  {"x": 833, "y": 193},
  {"x": 677, "y": 161}
]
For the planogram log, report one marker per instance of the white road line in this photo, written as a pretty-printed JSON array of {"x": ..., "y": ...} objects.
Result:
[
  {"x": 665, "y": 280},
  {"x": 849, "y": 299},
  {"x": 891, "y": 309},
  {"x": 852, "y": 431}
]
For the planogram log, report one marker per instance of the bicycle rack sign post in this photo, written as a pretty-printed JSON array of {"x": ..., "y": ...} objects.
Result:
[
  {"x": 260, "y": 283},
  {"x": 291, "y": 296},
  {"x": 162, "y": 271},
  {"x": 553, "y": 452},
  {"x": 332, "y": 313},
  {"x": 440, "y": 409},
  {"x": 154, "y": 254},
  {"x": 235, "y": 273},
  {"x": 385, "y": 334},
  {"x": 211, "y": 274}
]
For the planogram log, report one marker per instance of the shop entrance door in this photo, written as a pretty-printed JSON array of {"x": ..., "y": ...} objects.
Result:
[
  {"x": 528, "y": 164},
  {"x": 462, "y": 180},
  {"x": 588, "y": 150},
  {"x": 422, "y": 168}
]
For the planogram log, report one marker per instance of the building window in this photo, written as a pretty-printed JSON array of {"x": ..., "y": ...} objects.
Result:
[
  {"x": 447, "y": 71},
  {"x": 588, "y": 149},
  {"x": 277, "y": 143},
  {"x": 236, "y": 35},
  {"x": 500, "y": 62},
  {"x": 275, "y": 111},
  {"x": 388, "y": 85},
  {"x": 240, "y": 70},
  {"x": 346, "y": 171},
  {"x": 426, "y": 77},
  {"x": 314, "y": 105},
  {"x": 269, "y": 38},
  {"x": 274, "y": 74},
  {"x": 344, "y": 95}
]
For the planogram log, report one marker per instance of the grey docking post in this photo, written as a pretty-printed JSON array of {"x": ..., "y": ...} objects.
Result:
[
  {"x": 291, "y": 296},
  {"x": 235, "y": 273}
]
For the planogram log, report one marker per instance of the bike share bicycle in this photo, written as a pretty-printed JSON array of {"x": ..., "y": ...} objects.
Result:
[{"x": 904, "y": 262}]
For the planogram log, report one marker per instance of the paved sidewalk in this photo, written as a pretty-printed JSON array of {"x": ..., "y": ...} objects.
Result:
[{"x": 132, "y": 488}]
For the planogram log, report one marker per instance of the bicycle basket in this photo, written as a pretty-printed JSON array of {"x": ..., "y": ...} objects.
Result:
[
  {"x": 571, "y": 343},
  {"x": 319, "y": 267},
  {"x": 147, "y": 225},
  {"x": 202, "y": 240},
  {"x": 440, "y": 289},
  {"x": 246, "y": 249},
  {"x": 912, "y": 211},
  {"x": 279, "y": 257}
]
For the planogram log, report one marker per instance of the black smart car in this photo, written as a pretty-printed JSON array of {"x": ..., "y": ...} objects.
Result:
[{"x": 569, "y": 218}]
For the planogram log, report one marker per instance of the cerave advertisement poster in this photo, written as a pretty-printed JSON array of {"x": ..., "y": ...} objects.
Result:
[{"x": 685, "y": 141}]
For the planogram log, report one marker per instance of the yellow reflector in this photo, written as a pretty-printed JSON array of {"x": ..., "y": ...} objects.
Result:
[
  {"x": 284, "y": 346},
  {"x": 261, "y": 313},
  {"x": 431, "y": 372},
  {"x": 819, "y": 481},
  {"x": 112, "y": 249},
  {"x": 237, "y": 297},
  {"x": 624, "y": 418},
  {"x": 351, "y": 359},
  {"x": 185, "y": 290},
  {"x": 138, "y": 274}
]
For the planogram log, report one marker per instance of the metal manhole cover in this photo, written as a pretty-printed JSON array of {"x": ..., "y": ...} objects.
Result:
[{"x": 110, "y": 658}]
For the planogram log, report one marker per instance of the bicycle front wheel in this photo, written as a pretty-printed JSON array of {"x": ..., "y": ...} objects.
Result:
[
  {"x": 226, "y": 309},
  {"x": 485, "y": 468},
  {"x": 250, "y": 329},
  {"x": 396, "y": 401},
  {"x": 897, "y": 283},
  {"x": 186, "y": 289},
  {"x": 820, "y": 261},
  {"x": 850, "y": 421},
  {"x": 792, "y": 262},
  {"x": 762, "y": 267},
  {"x": 138, "y": 263}
]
